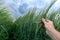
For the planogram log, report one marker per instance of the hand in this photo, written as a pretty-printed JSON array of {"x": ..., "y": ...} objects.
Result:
[
  {"x": 48, "y": 24},
  {"x": 50, "y": 30}
]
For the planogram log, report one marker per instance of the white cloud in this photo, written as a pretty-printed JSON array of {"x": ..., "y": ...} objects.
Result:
[
  {"x": 32, "y": 3},
  {"x": 57, "y": 4}
]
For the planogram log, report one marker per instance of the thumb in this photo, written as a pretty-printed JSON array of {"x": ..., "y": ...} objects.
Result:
[{"x": 43, "y": 20}]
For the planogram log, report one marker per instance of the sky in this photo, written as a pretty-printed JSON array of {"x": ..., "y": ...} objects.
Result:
[{"x": 19, "y": 7}]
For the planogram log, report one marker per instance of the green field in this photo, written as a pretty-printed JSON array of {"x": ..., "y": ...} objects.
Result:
[{"x": 27, "y": 27}]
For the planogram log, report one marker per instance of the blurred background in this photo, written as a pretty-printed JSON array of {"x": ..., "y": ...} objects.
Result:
[{"x": 20, "y": 7}]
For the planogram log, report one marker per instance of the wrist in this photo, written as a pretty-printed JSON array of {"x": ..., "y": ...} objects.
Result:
[{"x": 51, "y": 30}]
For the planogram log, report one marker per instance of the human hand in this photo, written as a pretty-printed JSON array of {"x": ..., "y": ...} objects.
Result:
[
  {"x": 50, "y": 30},
  {"x": 48, "y": 24}
]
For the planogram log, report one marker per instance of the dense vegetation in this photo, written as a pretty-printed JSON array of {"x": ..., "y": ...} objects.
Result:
[{"x": 27, "y": 27}]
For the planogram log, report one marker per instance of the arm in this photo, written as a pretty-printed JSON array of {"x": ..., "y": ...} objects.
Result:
[
  {"x": 55, "y": 35},
  {"x": 50, "y": 30}
]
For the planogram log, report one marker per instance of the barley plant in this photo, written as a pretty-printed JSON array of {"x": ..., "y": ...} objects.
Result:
[
  {"x": 5, "y": 22},
  {"x": 27, "y": 27}
]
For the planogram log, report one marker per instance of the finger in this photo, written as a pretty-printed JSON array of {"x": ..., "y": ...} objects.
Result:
[
  {"x": 43, "y": 20},
  {"x": 47, "y": 20}
]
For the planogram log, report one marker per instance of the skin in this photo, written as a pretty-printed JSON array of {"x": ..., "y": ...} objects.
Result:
[{"x": 50, "y": 30}]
